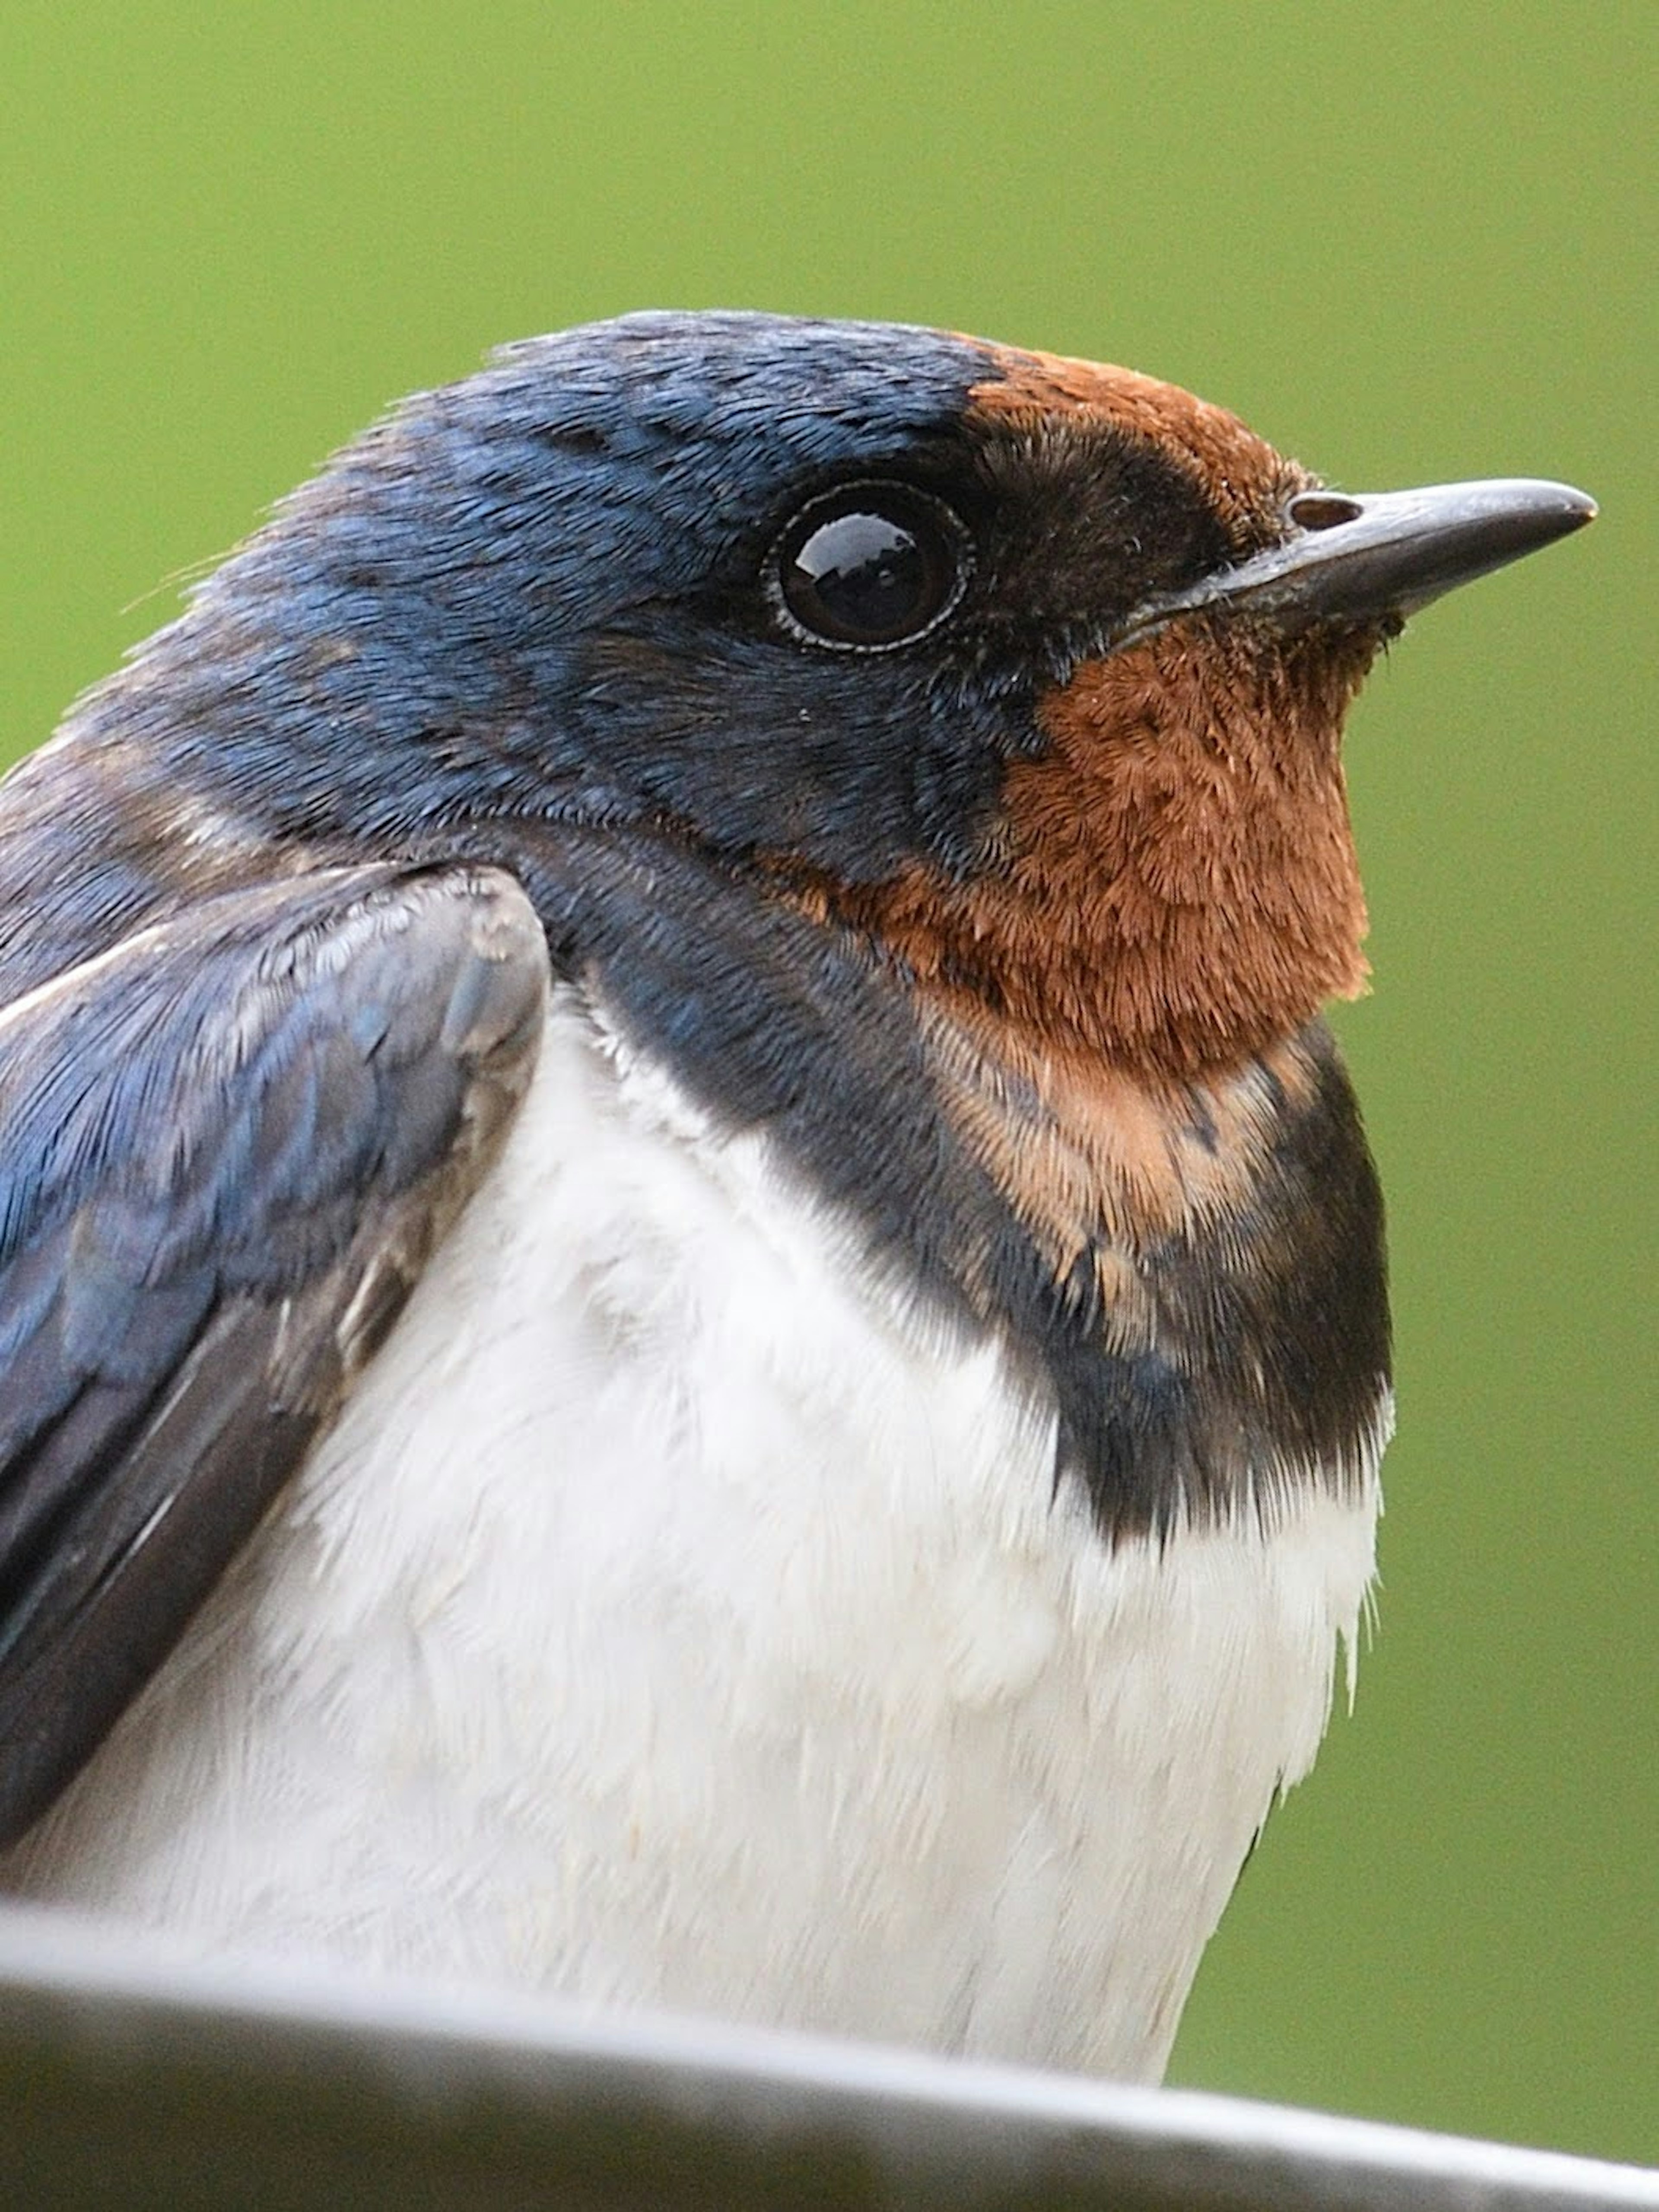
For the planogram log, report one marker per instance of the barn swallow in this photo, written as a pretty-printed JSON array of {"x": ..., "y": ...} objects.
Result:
[{"x": 691, "y": 1307}]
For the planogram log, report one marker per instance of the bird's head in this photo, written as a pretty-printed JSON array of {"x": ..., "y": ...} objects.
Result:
[{"x": 1032, "y": 672}]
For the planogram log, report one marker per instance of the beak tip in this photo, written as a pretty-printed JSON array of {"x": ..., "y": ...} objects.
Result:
[{"x": 1561, "y": 503}]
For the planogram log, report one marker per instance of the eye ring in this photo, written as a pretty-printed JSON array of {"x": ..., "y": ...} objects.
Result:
[{"x": 868, "y": 566}]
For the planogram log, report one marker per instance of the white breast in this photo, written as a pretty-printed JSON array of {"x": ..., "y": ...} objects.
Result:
[{"x": 674, "y": 1619}]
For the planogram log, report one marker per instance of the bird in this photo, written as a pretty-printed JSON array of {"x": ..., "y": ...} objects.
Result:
[{"x": 692, "y": 1306}]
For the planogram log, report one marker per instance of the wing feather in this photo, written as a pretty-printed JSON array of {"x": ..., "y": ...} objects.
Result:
[{"x": 226, "y": 1149}]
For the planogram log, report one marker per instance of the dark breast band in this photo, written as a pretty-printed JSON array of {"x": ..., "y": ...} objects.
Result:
[{"x": 1193, "y": 1279}]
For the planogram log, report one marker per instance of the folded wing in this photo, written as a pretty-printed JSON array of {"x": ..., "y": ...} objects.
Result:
[{"x": 227, "y": 1148}]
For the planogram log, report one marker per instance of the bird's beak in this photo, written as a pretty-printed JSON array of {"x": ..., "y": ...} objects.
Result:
[{"x": 1373, "y": 556}]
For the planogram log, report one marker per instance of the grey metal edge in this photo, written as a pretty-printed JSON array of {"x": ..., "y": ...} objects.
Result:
[{"x": 134, "y": 2076}]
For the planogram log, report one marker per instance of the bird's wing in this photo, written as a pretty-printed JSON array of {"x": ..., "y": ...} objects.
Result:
[{"x": 227, "y": 1148}]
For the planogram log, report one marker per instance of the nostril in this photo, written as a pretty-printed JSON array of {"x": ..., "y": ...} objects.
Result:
[{"x": 1323, "y": 510}]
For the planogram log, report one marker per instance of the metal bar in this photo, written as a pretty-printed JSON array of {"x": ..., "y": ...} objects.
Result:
[{"x": 131, "y": 2075}]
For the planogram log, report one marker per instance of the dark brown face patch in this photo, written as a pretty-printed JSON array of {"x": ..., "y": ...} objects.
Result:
[
  {"x": 1175, "y": 886},
  {"x": 1240, "y": 477}
]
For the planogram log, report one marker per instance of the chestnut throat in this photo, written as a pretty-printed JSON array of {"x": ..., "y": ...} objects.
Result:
[{"x": 1170, "y": 885}]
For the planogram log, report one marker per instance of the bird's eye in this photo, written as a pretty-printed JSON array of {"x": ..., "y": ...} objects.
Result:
[{"x": 869, "y": 566}]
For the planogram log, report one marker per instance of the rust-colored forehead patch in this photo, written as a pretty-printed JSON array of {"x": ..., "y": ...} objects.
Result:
[{"x": 1239, "y": 473}]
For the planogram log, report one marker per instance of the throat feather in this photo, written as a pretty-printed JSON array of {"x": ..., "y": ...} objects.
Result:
[
  {"x": 1174, "y": 887},
  {"x": 1214, "y": 1322}
]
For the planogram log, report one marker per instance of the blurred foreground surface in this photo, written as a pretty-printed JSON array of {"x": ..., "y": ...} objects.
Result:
[{"x": 130, "y": 2078}]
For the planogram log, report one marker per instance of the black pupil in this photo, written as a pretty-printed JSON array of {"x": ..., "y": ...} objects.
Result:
[{"x": 864, "y": 578}]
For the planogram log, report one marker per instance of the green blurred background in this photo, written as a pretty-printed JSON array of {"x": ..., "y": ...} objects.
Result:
[{"x": 1408, "y": 242}]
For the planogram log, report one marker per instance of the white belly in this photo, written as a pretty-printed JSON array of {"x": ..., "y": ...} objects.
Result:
[{"x": 670, "y": 1621}]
